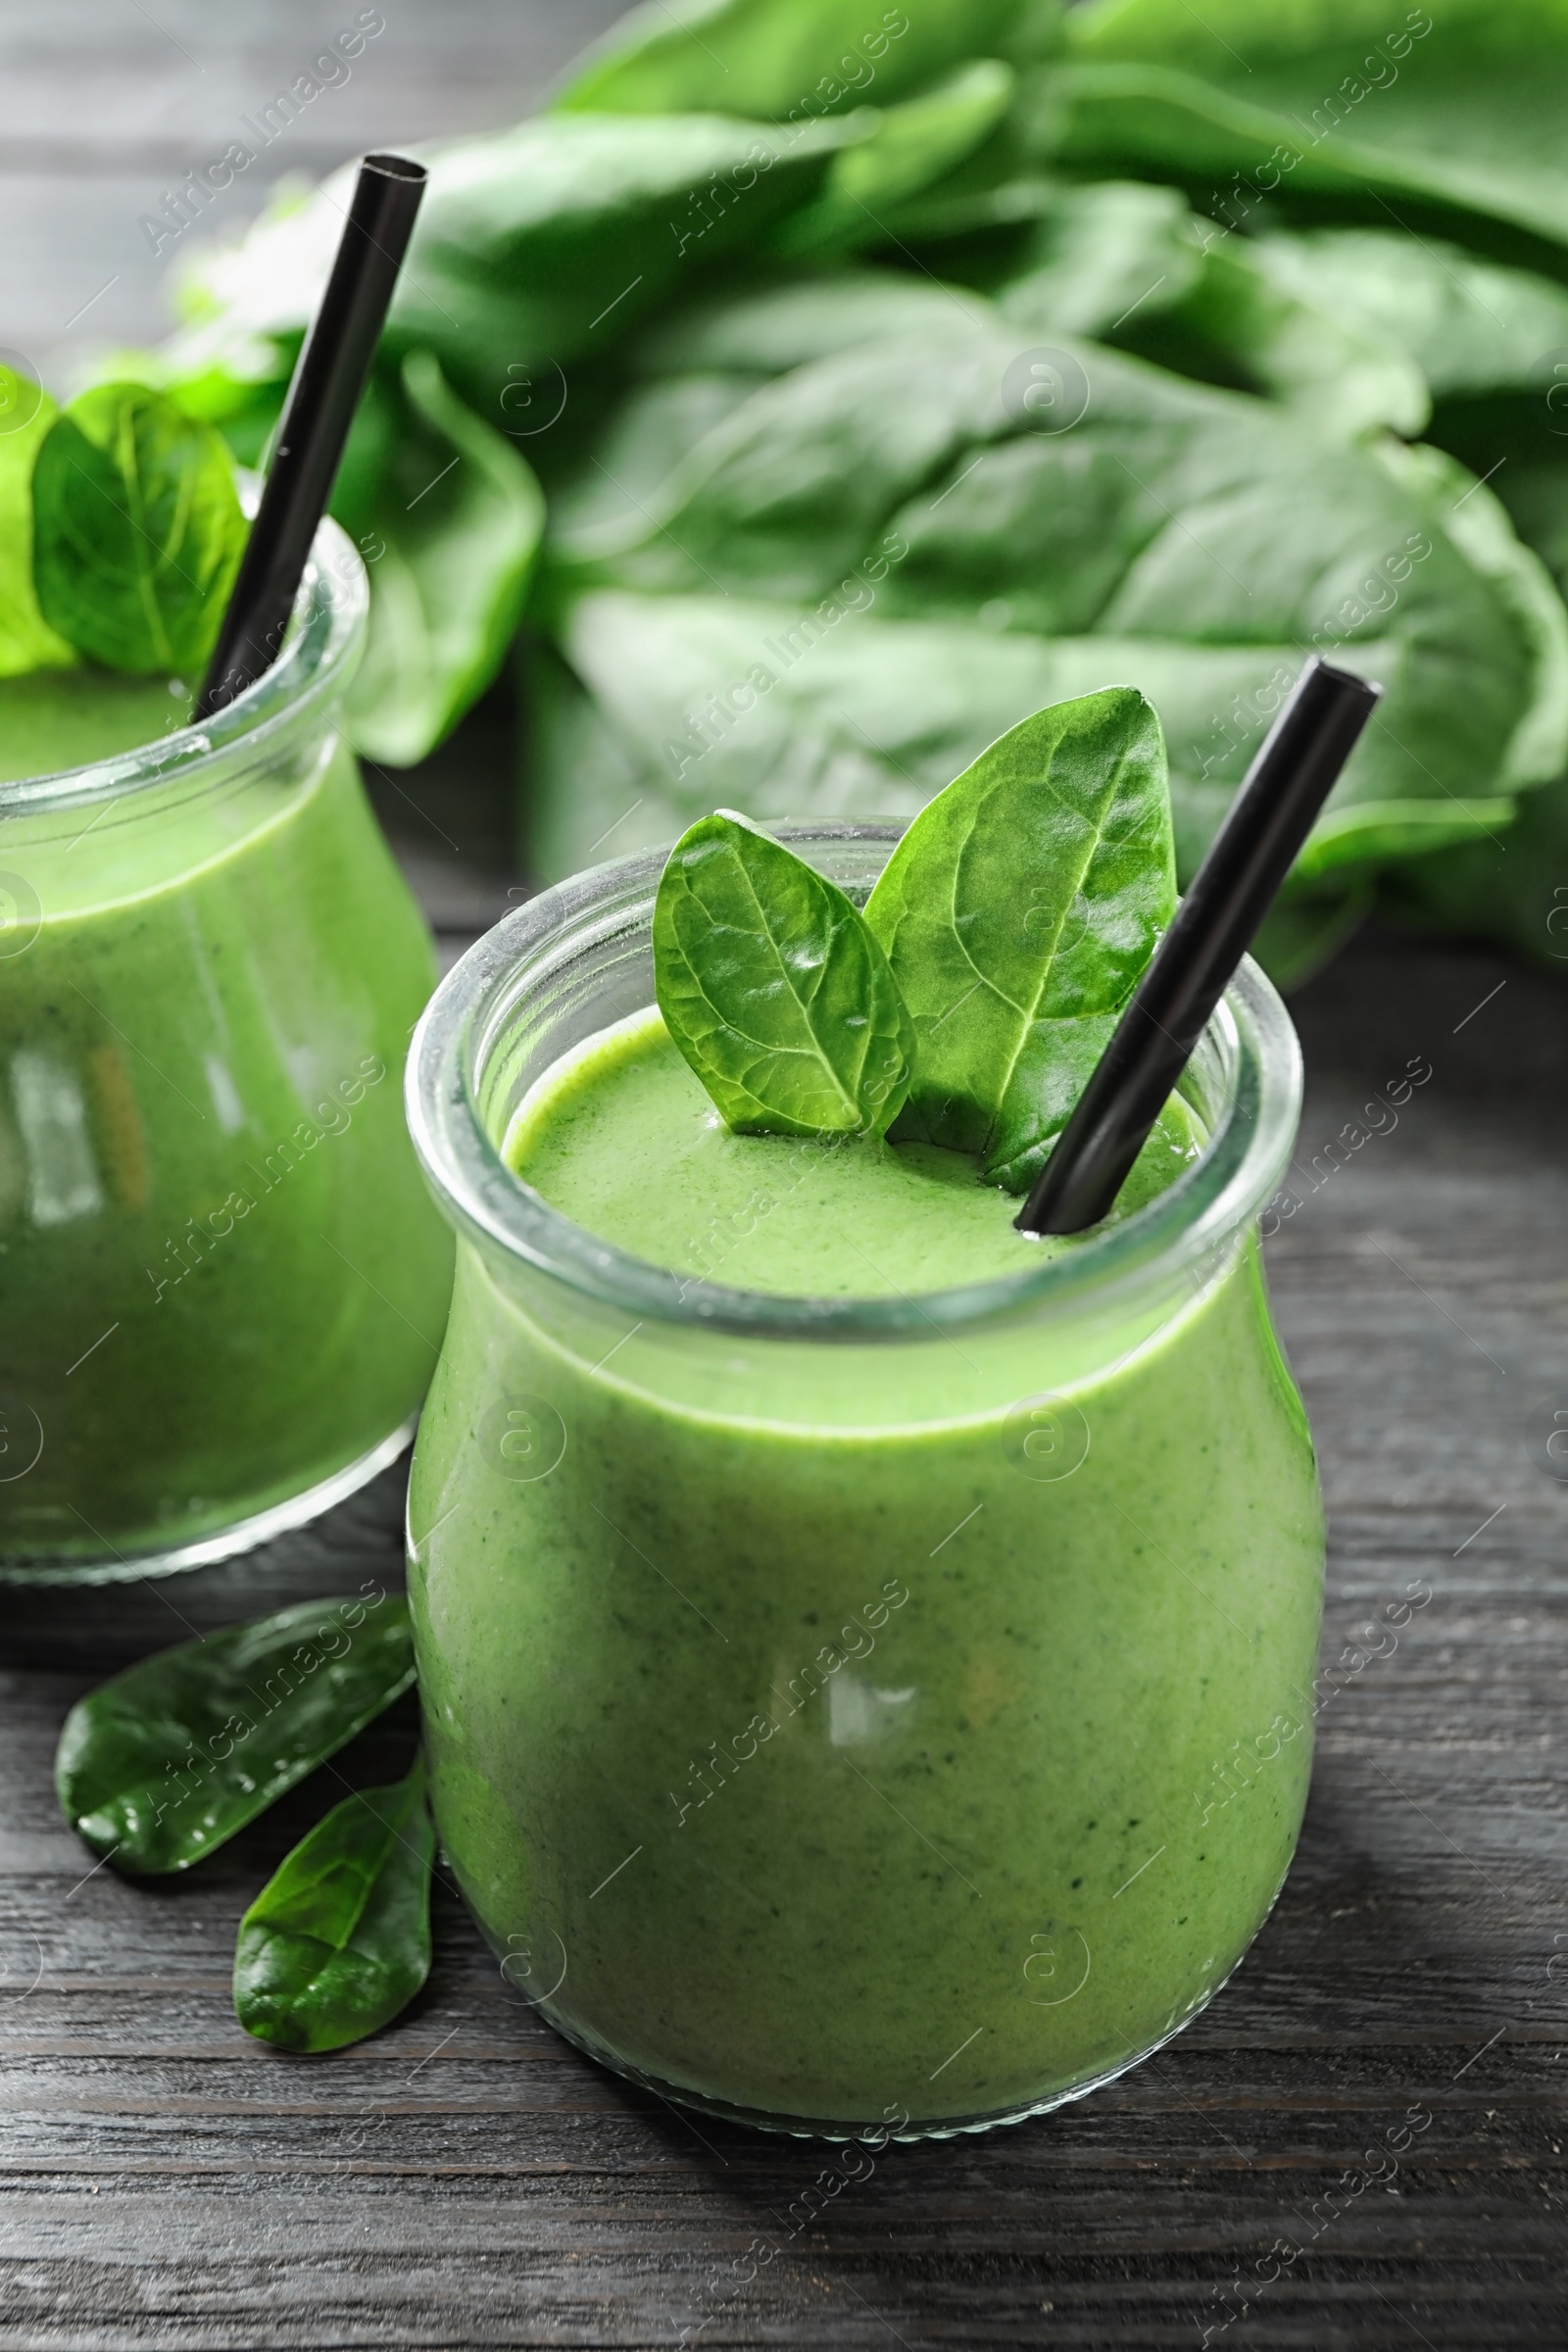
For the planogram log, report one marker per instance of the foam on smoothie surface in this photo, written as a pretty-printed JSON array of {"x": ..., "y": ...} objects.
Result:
[{"x": 621, "y": 1136}]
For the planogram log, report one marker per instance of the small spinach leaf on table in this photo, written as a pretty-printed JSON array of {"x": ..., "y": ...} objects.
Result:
[
  {"x": 338, "y": 1940},
  {"x": 137, "y": 530},
  {"x": 159, "y": 1766},
  {"x": 774, "y": 989},
  {"x": 1016, "y": 913}
]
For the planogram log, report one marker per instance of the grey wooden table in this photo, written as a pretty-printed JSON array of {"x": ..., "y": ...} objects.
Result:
[
  {"x": 1364, "y": 2143},
  {"x": 1361, "y": 2144}
]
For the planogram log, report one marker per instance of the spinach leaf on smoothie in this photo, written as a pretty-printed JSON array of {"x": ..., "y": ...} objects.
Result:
[
  {"x": 338, "y": 1940},
  {"x": 137, "y": 530},
  {"x": 159, "y": 1765},
  {"x": 774, "y": 989},
  {"x": 27, "y": 641},
  {"x": 1016, "y": 913},
  {"x": 968, "y": 1005}
]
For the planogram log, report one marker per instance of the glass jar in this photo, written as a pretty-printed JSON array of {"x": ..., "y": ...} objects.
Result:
[
  {"x": 222, "y": 1280},
  {"x": 869, "y": 1715}
]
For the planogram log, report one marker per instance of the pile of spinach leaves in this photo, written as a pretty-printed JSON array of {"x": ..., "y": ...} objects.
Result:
[{"x": 888, "y": 372}]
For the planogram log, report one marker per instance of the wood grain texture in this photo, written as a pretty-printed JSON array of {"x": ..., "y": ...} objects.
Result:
[
  {"x": 466, "y": 2180},
  {"x": 1364, "y": 2143}
]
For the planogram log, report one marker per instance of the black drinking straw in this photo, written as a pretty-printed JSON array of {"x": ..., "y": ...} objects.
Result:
[
  {"x": 1216, "y": 923},
  {"x": 328, "y": 379}
]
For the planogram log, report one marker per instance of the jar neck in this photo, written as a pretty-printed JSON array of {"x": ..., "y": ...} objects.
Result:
[
  {"x": 299, "y": 695},
  {"x": 579, "y": 958}
]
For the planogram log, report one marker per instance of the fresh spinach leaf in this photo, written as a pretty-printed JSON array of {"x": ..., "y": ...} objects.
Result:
[
  {"x": 1016, "y": 913},
  {"x": 1457, "y": 107},
  {"x": 1131, "y": 263},
  {"x": 966, "y": 223},
  {"x": 1100, "y": 253},
  {"x": 1490, "y": 342},
  {"x": 774, "y": 989},
  {"x": 780, "y": 59},
  {"x": 685, "y": 376},
  {"x": 763, "y": 324},
  {"x": 853, "y": 716},
  {"x": 1301, "y": 934},
  {"x": 449, "y": 524},
  {"x": 913, "y": 143},
  {"x": 137, "y": 530},
  {"x": 1507, "y": 888},
  {"x": 1386, "y": 832},
  {"x": 601, "y": 501},
  {"x": 159, "y": 1766},
  {"x": 539, "y": 249},
  {"x": 338, "y": 1940},
  {"x": 783, "y": 496},
  {"x": 1470, "y": 325},
  {"x": 1185, "y": 540},
  {"x": 549, "y": 244},
  {"x": 1342, "y": 323},
  {"x": 1238, "y": 322},
  {"x": 27, "y": 641}
]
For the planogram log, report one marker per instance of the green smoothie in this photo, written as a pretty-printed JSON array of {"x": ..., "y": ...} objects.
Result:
[
  {"x": 855, "y": 1732},
  {"x": 807, "y": 1216},
  {"x": 51, "y": 721},
  {"x": 221, "y": 1281}
]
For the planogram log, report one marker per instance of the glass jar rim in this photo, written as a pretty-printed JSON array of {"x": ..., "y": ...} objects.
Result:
[
  {"x": 325, "y": 634},
  {"x": 1180, "y": 1229}
]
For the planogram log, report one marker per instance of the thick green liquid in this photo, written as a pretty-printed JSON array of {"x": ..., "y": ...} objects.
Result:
[
  {"x": 221, "y": 1281},
  {"x": 55, "y": 720},
  {"x": 814, "y": 1219},
  {"x": 817, "y": 1736}
]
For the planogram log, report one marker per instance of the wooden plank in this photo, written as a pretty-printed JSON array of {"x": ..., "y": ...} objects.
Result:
[{"x": 468, "y": 2179}]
